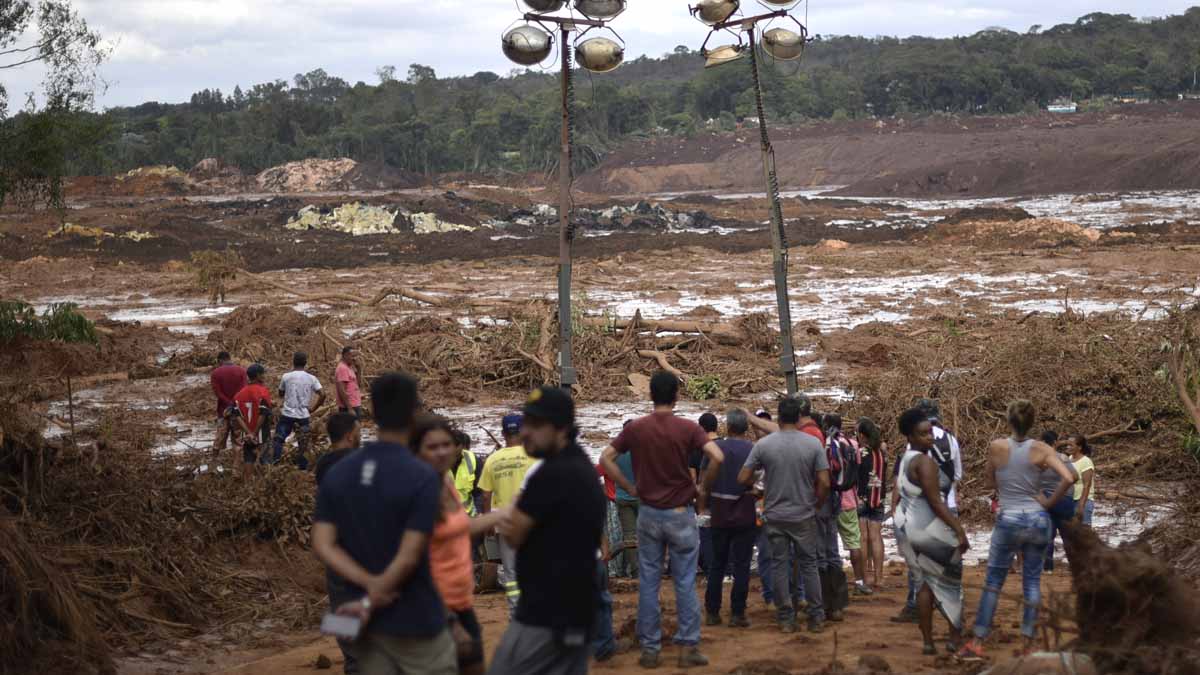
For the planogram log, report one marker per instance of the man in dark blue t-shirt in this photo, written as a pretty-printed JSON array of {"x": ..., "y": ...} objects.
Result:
[
  {"x": 375, "y": 512},
  {"x": 734, "y": 531}
]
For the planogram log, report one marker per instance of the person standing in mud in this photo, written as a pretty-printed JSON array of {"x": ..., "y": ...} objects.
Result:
[
  {"x": 227, "y": 379},
  {"x": 1015, "y": 465},
  {"x": 928, "y": 534},
  {"x": 501, "y": 480},
  {"x": 345, "y": 378},
  {"x": 248, "y": 416},
  {"x": 662, "y": 445},
  {"x": 845, "y": 476},
  {"x": 556, "y": 527},
  {"x": 297, "y": 389},
  {"x": 345, "y": 435},
  {"x": 376, "y": 511},
  {"x": 1085, "y": 487},
  {"x": 733, "y": 527},
  {"x": 1064, "y": 509},
  {"x": 797, "y": 483},
  {"x": 711, "y": 425},
  {"x": 872, "y": 486},
  {"x": 948, "y": 455}
]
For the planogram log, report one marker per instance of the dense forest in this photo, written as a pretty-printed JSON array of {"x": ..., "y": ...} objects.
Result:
[{"x": 419, "y": 122}]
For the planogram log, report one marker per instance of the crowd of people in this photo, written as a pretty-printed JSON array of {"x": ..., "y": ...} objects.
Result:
[{"x": 399, "y": 520}]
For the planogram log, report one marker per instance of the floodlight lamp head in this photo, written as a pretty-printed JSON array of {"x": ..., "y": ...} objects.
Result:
[
  {"x": 779, "y": 3},
  {"x": 527, "y": 45},
  {"x": 602, "y": 10},
  {"x": 722, "y": 55},
  {"x": 713, "y": 12},
  {"x": 783, "y": 44},
  {"x": 545, "y": 6},
  {"x": 599, "y": 54}
]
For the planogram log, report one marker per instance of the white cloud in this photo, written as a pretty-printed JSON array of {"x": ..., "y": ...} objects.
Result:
[{"x": 168, "y": 49}]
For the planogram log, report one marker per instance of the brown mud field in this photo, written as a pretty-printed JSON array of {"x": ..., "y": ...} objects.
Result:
[{"x": 1082, "y": 303}]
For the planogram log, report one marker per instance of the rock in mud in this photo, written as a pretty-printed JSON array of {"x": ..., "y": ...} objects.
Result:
[
  {"x": 1047, "y": 663},
  {"x": 323, "y": 663},
  {"x": 874, "y": 663}
]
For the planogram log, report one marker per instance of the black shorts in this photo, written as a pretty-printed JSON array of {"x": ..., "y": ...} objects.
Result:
[
  {"x": 470, "y": 623},
  {"x": 876, "y": 515}
]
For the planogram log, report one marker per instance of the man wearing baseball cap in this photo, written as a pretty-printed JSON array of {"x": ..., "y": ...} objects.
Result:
[
  {"x": 501, "y": 479},
  {"x": 556, "y": 527}
]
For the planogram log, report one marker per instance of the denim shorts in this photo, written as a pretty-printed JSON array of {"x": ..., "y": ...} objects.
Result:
[{"x": 875, "y": 515}]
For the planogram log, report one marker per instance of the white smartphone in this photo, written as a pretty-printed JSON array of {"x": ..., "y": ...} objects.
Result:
[{"x": 347, "y": 627}]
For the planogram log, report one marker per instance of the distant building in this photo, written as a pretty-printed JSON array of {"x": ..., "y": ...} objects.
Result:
[{"x": 1063, "y": 106}]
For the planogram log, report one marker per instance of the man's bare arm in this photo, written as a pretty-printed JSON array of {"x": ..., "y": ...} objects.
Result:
[
  {"x": 765, "y": 426},
  {"x": 608, "y": 460},
  {"x": 715, "y": 459}
]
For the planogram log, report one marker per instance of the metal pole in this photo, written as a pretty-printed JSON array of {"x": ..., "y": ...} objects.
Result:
[
  {"x": 566, "y": 366},
  {"x": 787, "y": 358}
]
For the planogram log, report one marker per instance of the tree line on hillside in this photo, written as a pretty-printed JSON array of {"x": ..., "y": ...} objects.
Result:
[{"x": 488, "y": 122}]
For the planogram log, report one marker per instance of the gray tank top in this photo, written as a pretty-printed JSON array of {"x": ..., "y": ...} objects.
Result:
[
  {"x": 1019, "y": 481},
  {"x": 1050, "y": 477}
]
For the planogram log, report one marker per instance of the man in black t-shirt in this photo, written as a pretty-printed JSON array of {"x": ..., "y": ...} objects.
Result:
[
  {"x": 555, "y": 527},
  {"x": 345, "y": 435}
]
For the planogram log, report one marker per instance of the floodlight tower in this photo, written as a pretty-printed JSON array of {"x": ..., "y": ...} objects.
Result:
[
  {"x": 531, "y": 43},
  {"x": 782, "y": 44}
]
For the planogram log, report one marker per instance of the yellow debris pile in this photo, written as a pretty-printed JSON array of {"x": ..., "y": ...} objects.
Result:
[
  {"x": 97, "y": 233},
  {"x": 158, "y": 171},
  {"x": 429, "y": 223},
  {"x": 353, "y": 218}
]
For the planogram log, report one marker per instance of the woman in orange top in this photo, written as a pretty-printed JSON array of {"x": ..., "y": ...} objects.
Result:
[{"x": 450, "y": 547}]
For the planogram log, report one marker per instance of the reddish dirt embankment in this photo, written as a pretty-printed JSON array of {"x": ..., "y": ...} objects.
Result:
[{"x": 1148, "y": 147}]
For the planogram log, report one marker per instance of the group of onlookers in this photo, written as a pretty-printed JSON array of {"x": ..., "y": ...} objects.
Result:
[{"x": 397, "y": 520}]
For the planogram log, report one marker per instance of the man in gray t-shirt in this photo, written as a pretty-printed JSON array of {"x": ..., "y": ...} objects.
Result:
[
  {"x": 296, "y": 390},
  {"x": 797, "y": 480}
]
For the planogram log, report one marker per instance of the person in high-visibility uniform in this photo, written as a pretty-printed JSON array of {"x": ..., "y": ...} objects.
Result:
[
  {"x": 501, "y": 480},
  {"x": 464, "y": 472}
]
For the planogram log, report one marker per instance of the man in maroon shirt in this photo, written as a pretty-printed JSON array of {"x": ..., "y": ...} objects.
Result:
[
  {"x": 662, "y": 446},
  {"x": 227, "y": 380}
]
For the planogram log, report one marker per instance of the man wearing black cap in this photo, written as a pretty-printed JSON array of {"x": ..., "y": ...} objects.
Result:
[{"x": 556, "y": 527}]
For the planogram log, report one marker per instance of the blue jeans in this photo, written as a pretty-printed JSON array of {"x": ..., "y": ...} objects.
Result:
[
  {"x": 283, "y": 429},
  {"x": 1062, "y": 512},
  {"x": 1027, "y": 532},
  {"x": 603, "y": 644},
  {"x": 1088, "y": 511},
  {"x": 661, "y": 532}
]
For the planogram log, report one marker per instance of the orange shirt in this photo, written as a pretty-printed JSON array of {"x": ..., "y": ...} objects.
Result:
[{"x": 450, "y": 560}]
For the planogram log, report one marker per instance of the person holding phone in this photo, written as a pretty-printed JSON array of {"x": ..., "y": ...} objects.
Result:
[{"x": 376, "y": 511}]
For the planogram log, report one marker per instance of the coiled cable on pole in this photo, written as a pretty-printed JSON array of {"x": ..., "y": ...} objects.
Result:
[
  {"x": 569, "y": 107},
  {"x": 772, "y": 176}
]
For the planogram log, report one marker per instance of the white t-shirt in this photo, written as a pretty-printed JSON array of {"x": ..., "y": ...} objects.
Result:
[{"x": 298, "y": 388}]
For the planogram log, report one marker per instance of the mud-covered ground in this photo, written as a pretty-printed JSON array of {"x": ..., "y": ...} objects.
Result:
[{"x": 866, "y": 275}]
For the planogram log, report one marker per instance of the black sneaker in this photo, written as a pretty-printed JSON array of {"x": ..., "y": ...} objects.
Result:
[
  {"x": 787, "y": 626},
  {"x": 739, "y": 621},
  {"x": 691, "y": 657},
  {"x": 816, "y": 626},
  {"x": 713, "y": 619},
  {"x": 649, "y": 659},
  {"x": 906, "y": 615}
]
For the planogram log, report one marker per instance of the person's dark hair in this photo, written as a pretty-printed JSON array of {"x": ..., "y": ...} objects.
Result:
[
  {"x": 709, "y": 423},
  {"x": 790, "y": 410},
  {"x": 664, "y": 388},
  {"x": 223, "y": 356},
  {"x": 347, "y": 349},
  {"x": 930, "y": 407},
  {"x": 1021, "y": 416},
  {"x": 911, "y": 419},
  {"x": 833, "y": 421},
  {"x": 299, "y": 360},
  {"x": 255, "y": 371},
  {"x": 394, "y": 401},
  {"x": 340, "y": 425},
  {"x": 462, "y": 439},
  {"x": 1050, "y": 437},
  {"x": 424, "y": 425},
  {"x": 737, "y": 422},
  {"x": 1082, "y": 442},
  {"x": 870, "y": 431}
]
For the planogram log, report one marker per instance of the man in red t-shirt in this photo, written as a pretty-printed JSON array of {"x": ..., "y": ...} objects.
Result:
[
  {"x": 250, "y": 409},
  {"x": 345, "y": 377},
  {"x": 662, "y": 446},
  {"x": 227, "y": 379}
]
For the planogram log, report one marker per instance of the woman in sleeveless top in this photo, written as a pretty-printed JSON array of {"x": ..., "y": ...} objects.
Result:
[
  {"x": 1015, "y": 467},
  {"x": 930, "y": 537},
  {"x": 450, "y": 546}
]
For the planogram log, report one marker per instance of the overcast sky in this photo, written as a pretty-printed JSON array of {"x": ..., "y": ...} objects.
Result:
[{"x": 167, "y": 49}]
